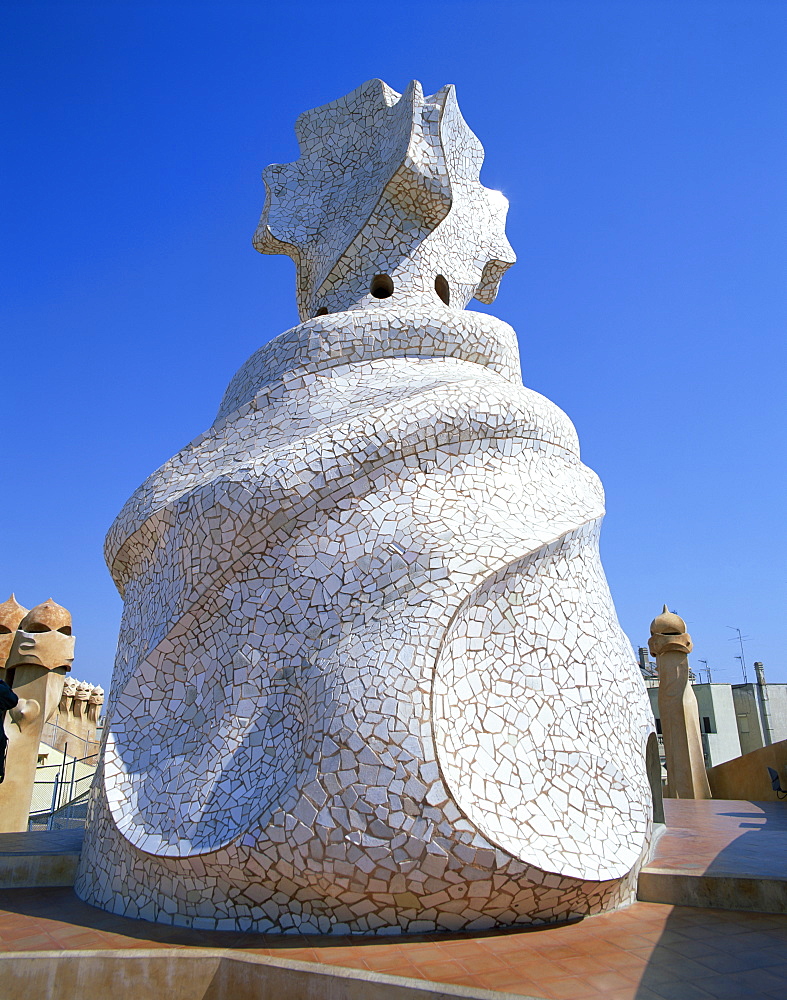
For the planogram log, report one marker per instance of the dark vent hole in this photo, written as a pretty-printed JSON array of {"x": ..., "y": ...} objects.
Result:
[
  {"x": 322, "y": 311},
  {"x": 442, "y": 289},
  {"x": 382, "y": 286}
]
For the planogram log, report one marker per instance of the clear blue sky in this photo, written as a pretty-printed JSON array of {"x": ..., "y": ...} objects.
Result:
[{"x": 641, "y": 146}]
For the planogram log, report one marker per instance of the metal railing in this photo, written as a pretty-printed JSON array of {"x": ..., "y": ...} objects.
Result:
[
  {"x": 60, "y": 785},
  {"x": 71, "y": 816},
  {"x": 63, "y": 739}
]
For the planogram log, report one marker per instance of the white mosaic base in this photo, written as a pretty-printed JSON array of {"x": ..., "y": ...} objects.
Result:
[{"x": 369, "y": 676}]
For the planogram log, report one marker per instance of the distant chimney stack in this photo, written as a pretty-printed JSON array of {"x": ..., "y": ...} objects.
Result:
[{"x": 759, "y": 670}]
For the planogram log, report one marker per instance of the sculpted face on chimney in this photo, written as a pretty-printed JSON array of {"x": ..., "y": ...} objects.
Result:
[{"x": 44, "y": 639}]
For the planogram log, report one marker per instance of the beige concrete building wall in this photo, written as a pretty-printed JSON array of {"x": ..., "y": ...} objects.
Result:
[
  {"x": 717, "y": 722},
  {"x": 761, "y": 712}
]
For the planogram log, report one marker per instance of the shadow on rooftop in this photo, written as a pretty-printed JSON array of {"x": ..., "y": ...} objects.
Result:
[{"x": 707, "y": 953}]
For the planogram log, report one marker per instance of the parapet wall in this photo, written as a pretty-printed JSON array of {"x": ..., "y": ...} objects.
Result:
[{"x": 747, "y": 777}]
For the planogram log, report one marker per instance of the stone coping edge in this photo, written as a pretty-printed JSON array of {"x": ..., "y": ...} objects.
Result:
[
  {"x": 209, "y": 974},
  {"x": 37, "y": 871},
  {"x": 656, "y": 869},
  {"x": 720, "y": 892}
]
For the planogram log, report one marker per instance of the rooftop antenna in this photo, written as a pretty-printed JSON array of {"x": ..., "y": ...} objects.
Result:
[
  {"x": 741, "y": 639},
  {"x": 707, "y": 671}
]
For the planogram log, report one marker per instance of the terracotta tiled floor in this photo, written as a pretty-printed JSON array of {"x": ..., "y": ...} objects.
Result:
[
  {"x": 647, "y": 952},
  {"x": 721, "y": 837}
]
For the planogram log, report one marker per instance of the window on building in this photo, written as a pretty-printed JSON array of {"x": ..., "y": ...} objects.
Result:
[
  {"x": 706, "y": 724},
  {"x": 743, "y": 723},
  {"x": 658, "y": 726}
]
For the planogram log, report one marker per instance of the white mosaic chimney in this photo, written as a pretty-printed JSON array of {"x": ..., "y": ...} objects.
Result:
[{"x": 370, "y": 677}]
